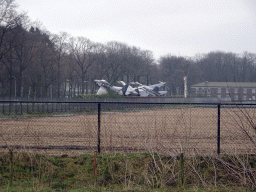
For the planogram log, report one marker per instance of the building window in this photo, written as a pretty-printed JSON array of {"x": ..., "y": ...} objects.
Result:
[
  {"x": 236, "y": 97},
  {"x": 253, "y": 97},
  {"x": 219, "y": 96},
  {"x": 227, "y": 91},
  {"x": 197, "y": 89},
  {"x": 236, "y": 91},
  {"x": 245, "y": 90},
  {"x": 244, "y": 97},
  {"x": 253, "y": 90},
  {"x": 219, "y": 90}
]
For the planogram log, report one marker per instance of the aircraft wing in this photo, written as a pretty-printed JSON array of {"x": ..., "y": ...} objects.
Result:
[
  {"x": 160, "y": 84},
  {"x": 162, "y": 92},
  {"x": 144, "y": 92},
  {"x": 135, "y": 84}
]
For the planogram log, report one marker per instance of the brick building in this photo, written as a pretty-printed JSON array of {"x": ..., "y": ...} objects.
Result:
[{"x": 236, "y": 91}]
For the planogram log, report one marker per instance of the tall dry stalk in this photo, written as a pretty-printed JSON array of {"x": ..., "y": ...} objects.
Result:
[
  {"x": 10, "y": 150},
  {"x": 239, "y": 168}
]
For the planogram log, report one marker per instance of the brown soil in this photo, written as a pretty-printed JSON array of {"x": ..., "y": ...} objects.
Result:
[{"x": 189, "y": 130}]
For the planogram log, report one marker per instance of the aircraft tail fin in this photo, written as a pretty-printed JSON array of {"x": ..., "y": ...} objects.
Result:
[{"x": 124, "y": 89}]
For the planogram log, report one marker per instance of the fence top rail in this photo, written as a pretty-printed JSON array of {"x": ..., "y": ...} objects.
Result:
[{"x": 129, "y": 102}]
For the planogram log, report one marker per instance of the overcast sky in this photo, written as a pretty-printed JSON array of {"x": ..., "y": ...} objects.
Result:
[{"x": 176, "y": 27}]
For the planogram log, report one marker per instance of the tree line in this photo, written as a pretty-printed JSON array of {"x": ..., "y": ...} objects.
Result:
[{"x": 36, "y": 63}]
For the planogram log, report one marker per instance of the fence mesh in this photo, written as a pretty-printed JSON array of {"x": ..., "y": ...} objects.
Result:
[
  {"x": 76, "y": 128},
  {"x": 238, "y": 128}
]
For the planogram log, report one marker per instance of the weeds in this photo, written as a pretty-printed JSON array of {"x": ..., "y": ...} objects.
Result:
[{"x": 117, "y": 172}]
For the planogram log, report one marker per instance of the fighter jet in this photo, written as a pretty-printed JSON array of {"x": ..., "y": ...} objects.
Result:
[
  {"x": 149, "y": 90},
  {"x": 104, "y": 85},
  {"x": 137, "y": 89},
  {"x": 128, "y": 90},
  {"x": 125, "y": 90}
]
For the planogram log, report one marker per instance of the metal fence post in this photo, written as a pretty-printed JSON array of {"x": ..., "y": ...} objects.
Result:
[
  {"x": 99, "y": 109},
  {"x": 33, "y": 108},
  {"x": 21, "y": 110},
  {"x": 10, "y": 106},
  {"x": 218, "y": 132},
  {"x": 16, "y": 111}
]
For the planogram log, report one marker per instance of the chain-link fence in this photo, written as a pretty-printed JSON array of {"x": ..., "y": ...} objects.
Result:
[{"x": 121, "y": 127}]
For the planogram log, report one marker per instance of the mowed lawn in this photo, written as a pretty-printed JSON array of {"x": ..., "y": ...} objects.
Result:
[{"x": 166, "y": 131}]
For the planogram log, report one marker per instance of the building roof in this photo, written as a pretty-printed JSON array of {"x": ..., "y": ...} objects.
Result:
[{"x": 225, "y": 84}]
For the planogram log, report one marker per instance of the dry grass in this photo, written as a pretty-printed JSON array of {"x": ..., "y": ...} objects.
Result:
[{"x": 190, "y": 130}]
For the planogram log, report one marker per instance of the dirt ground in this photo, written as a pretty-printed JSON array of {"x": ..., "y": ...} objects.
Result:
[{"x": 166, "y": 131}]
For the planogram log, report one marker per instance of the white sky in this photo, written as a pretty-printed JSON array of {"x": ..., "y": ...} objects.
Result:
[{"x": 176, "y": 27}]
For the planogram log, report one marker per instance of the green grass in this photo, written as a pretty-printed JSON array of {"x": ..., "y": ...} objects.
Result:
[
  {"x": 108, "y": 108},
  {"x": 45, "y": 113},
  {"x": 132, "y": 172}
]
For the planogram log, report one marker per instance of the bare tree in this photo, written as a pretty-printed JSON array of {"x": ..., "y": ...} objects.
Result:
[
  {"x": 100, "y": 68},
  {"x": 247, "y": 67},
  {"x": 83, "y": 53},
  {"x": 43, "y": 60},
  {"x": 59, "y": 49},
  {"x": 9, "y": 20},
  {"x": 116, "y": 57},
  {"x": 173, "y": 69},
  {"x": 221, "y": 66}
]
